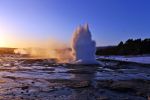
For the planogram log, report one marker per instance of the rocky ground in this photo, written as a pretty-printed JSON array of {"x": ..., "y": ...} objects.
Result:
[{"x": 44, "y": 79}]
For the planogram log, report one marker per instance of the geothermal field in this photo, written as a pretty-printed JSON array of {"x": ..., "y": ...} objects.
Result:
[
  {"x": 74, "y": 49},
  {"x": 44, "y": 79},
  {"x": 81, "y": 75}
]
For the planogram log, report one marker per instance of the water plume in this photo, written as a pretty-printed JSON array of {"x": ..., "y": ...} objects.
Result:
[{"x": 83, "y": 47}]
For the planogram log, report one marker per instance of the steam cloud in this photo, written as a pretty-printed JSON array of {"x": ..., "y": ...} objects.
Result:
[
  {"x": 49, "y": 49},
  {"x": 82, "y": 49}
]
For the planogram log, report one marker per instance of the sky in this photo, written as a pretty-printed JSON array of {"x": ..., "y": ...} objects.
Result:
[{"x": 110, "y": 21}]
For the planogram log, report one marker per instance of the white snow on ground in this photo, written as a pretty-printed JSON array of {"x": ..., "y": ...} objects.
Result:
[{"x": 137, "y": 59}]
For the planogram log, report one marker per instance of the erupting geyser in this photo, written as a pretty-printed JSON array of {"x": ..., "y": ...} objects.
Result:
[{"x": 83, "y": 47}]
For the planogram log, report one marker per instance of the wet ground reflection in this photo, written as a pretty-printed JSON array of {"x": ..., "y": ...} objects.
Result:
[{"x": 40, "y": 79}]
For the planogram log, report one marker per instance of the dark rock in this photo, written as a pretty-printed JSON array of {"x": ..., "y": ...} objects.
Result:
[
  {"x": 102, "y": 91},
  {"x": 102, "y": 98},
  {"x": 70, "y": 83},
  {"x": 32, "y": 82},
  {"x": 24, "y": 87},
  {"x": 138, "y": 87},
  {"x": 139, "y": 93},
  {"x": 78, "y": 84},
  {"x": 124, "y": 98},
  {"x": 148, "y": 97},
  {"x": 104, "y": 83},
  {"x": 10, "y": 77},
  {"x": 21, "y": 92},
  {"x": 122, "y": 86}
]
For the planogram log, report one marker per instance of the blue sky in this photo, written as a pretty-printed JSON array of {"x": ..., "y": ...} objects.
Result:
[{"x": 110, "y": 21}]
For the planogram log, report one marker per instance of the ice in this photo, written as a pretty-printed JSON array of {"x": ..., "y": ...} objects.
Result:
[{"x": 83, "y": 47}]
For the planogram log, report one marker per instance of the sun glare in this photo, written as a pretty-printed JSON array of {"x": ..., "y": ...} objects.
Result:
[{"x": 3, "y": 40}]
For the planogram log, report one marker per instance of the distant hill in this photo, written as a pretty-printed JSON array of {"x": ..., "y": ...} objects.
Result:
[
  {"x": 7, "y": 50},
  {"x": 130, "y": 47}
]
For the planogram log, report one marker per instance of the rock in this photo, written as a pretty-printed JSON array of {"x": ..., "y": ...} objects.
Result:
[
  {"x": 79, "y": 84},
  {"x": 148, "y": 98},
  {"x": 80, "y": 71},
  {"x": 24, "y": 87},
  {"x": 139, "y": 93},
  {"x": 32, "y": 82},
  {"x": 124, "y": 98},
  {"x": 102, "y": 98},
  {"x": 102, "y": 91},
  {"x": 10, "y": 77},
  {"x": 122, "y": 86},
  {"x": 104, "y": 83},
  {"x": 69, "y": 83},
  {"x": 138, "y": 87},
  {"x": 21, "y": 92},
  {"x": 148, "y": 75}
]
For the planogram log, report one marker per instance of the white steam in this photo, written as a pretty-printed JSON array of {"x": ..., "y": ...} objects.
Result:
[{"x": 82, "y": 49}]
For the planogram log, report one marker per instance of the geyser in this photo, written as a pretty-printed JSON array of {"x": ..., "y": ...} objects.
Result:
[{"x": 83, "y": 47}]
